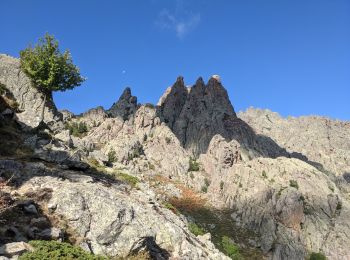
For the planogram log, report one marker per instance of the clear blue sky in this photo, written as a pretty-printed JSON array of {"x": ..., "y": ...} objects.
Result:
[{"x": 290, "y": 56}]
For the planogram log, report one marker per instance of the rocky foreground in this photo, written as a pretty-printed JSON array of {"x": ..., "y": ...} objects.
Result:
[{"x": 172, "y": 180}]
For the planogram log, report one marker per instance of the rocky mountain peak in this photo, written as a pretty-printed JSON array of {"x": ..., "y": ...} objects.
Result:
[{"x": 125, "y": 107}]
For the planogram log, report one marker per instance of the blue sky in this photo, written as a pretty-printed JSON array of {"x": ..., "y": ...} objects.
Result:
[{"x": 290, "y": 56}]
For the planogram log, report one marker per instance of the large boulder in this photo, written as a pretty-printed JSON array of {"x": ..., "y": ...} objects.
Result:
[{"x": 31, "y": 101}]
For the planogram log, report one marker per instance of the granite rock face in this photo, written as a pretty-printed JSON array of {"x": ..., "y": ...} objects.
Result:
[
  {"x": 322, "y": 140},
  {"x": 31, "y": 102},
  {"x": 111, "y": 219}
]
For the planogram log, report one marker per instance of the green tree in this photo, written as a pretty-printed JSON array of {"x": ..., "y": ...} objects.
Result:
[{"x": 48, "y": 68}]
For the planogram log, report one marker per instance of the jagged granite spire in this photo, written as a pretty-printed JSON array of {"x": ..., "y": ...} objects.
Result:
[
  {"x": 198, "y": 114},
  {"x": 125, "y": 107}
]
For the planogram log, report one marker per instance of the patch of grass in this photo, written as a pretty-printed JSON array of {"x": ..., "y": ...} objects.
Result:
[
  {"x": 170, "y": 206},
  {"x": 193, "y": 165},
  {"x": 131, "y": 180},
  {"x": 294, "y": 184},
  {"x": 264, "y": 174},
  {"x": 196, "y": 230},
  {"x": 57, "y": 251},
  {"x": 230, "y": 248},
  {"x": 317, "y": 256}
]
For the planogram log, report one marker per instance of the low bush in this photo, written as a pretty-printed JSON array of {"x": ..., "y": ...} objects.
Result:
[
  {"x": 204, "y": 189},
  {"x": 230, "y": 248},
  {"x": 77, "y": 129},
  {"x": 3, "y": 89},
  {"x": 54, "y": 250},
  {"x": 294, "y": 184},
  {"x": 193, "y": 165},
  {"x": 317, "y": 256},
  {"x": 196, "y": 230},
  {"x": 112, "y": 156}
]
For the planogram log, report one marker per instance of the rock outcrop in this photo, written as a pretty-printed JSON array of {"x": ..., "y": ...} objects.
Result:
[
  {"x": 125, "y": 107},
  {"x": 108, "y": 217},
  {"x": 322, "y": 140},
  {"x": 31, "y": 102}
]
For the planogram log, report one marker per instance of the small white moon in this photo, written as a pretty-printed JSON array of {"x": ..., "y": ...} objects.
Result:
[{"x": 124, "y": 71}]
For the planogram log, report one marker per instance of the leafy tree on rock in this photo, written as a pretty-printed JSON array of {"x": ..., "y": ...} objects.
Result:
[{"x": 48, "y": 68}]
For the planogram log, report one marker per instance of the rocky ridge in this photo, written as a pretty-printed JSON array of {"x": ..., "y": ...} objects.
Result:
[{"x": 290, "y": 200}]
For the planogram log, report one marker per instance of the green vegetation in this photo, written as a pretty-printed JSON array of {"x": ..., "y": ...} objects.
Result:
[
  {"x": 221, "y": 185},
  {"x": 339, "y": 205},
  {"x": 135, "y": 153},
  {"x": 149, "y": 105},
  {"x": 196, "y": 230},
  {"x": 131, "y": 180},
  {"x": 317, "y": 256},
  {"x": 264, "y": 174},
  {"x": 170, "y": 206},
  {"x": 193, "y": 165},
  {"x": 230, "y": 248},
  {"x": 48, "y": 68},
  {"x": 294, "y": 184},
  {"x": 112, "y": 156},
  {"x": 77, "y": 129},
  {"x": 167, "y": 140},
  {"x": 57, "y": 251},
  {"x": 219, "y": 223},
  {"x": 206, "y": 182},
  {"x": 3, "y": 89},
  {"x": 191, "y": 175},
  {"x": 204, "y": 189}
]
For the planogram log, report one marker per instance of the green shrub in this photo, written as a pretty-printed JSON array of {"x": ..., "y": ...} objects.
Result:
[
  {"x": 54, "y": 250},
  {"x": 167, "y": 140},
  {"x": 206, "y": 182},
  {"x": 204, "y": 189},
  {"x": 193, "y": 165},
  {"x": 149, "y": 105},
  {"x": 221, "y": 185},
  {"x": 112, "y": 156},
  {"x": 294, "y": 184},
  {"x": 264, "y": 174},
  {"x": 339, "y": 205},
  {"x": 77, "y": 129},
  {"x": 317, "y": 256},
  {"x": 191, "y": 176},
  {"x": 230, "y": 248},
  {"x": 196, "y": 230},
  {"x": 3, "y": 89}
]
